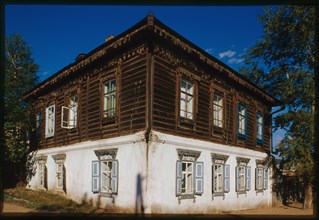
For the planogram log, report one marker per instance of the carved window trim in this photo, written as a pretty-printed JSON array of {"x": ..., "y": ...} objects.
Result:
[
  {"x": 42, "y": 172},
  {"x": 59, "y": 160},
  {"x": 220, "y": 159},
  {"x": 187, "y": 76},
  {"x": 106, "y": 76}
]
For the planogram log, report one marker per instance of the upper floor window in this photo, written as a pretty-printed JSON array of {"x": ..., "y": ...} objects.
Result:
[
  {"x": 49, "y": 121},
  {"x": 259, "y": 128},
  {"x": 109, "y": 100},
  {"x": 70, "y": 113},
  {"x": 242, "y": 121},
  {"x": 187, "y": 99},
  {"x": 38, "y": 121},
  {"x": 218, "y": 110}
]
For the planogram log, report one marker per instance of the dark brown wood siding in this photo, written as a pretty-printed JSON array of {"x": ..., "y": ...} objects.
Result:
[{"x": 130, "y": 76}]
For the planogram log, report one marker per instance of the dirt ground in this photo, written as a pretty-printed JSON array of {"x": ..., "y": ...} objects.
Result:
[{"x": 292, "y": 210}]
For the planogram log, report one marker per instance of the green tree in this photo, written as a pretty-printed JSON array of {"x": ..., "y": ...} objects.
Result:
[
  {"x": 282, "y": 62},
  {"x": 20, "y": 77}
]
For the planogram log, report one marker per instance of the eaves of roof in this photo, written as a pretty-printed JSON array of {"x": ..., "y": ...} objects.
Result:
[{"x": 154, "y": 24}]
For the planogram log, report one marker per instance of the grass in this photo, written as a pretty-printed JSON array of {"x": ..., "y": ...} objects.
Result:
[{"x": 44, "y": 201}]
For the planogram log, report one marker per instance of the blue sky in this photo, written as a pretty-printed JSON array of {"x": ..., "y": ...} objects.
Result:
[{"x": 58, "y": 33}]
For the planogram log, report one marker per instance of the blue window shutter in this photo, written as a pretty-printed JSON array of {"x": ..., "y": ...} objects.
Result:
[
  {"x": 265, "y": 179},
  {"x": 178, "y": 178},
  {"x": 237, "y": 179},
  {"x": 226, "y": 178},
  {"x": 246, "y": 120},
  {"x": 199, "y": 178},
  {"x": 115, "y": 172},
  {"x": 248, "y": 178},
  {"x": 95, "y": 176}
]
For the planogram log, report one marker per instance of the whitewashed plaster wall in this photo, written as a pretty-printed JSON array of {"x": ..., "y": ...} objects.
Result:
[{"x": 156, "y": 164}]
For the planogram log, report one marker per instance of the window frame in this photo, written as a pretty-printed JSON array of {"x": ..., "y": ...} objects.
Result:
[
  {"x": 260, "y": 136},
  {"x": 60, "y": 176},
  {"x": 107, "y": 155},
  {"x": 261, "y": 178},
  {"x": 112, "y": 102},
  {"x": 71, "y": 111},
  {"x": 49, "y": 131},
  {"x": 38, "y": 123},
  {"x": 187, "y": 94},
  {"x": 197, "y": 174},
  {"x": 219, "y": 160},
  {"x": 42, "y": 172},
  {"x": 243, "y": 176},
  {"x": 221, "y": 113},
  {"x": 242, "y": 121}
]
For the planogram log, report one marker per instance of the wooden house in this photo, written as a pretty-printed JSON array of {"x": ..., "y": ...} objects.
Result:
[{"x": 149, "y": 121}]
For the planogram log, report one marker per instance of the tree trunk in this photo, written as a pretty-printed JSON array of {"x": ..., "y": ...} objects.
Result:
[{"x": 307, "y": 204}]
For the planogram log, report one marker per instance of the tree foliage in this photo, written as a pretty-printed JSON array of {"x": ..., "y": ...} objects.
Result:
[
  {"x": 20, "y": 77},
  {"x": 282, "y": 62}
]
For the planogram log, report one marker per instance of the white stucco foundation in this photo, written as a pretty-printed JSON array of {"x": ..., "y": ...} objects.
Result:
[{"x": 155, "y": 162}]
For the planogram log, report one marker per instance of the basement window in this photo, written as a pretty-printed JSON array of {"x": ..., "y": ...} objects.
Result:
[{"x": 243, "y": 176}]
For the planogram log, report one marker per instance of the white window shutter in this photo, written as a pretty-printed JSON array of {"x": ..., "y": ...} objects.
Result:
[
  {"x": 226, "y": 178},
  {"x": 95, "y": 176},
  {"x": 199, "y": 178},
  {"x": 53, "y": 121},
  {"x": 65, "y": 117},
  {"x": 178, "y": 178},
  {"x": 248, "y": 178},
  {"x": 237, "y": 179},
  {"x": 114, "y": 181},
  {"x": 265, "y": 179}
]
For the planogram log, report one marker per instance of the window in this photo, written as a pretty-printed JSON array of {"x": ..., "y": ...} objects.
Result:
[
  {"x": 38, "y": 121},
  {"x": 242, "y": 121},
  {"x": 70, "y": 113},
  {"x": 189, "y": 180},
  {"x": 261, "y": 177},
  {"x": 105, "y": 173},
  {"x": 60, "y": 171},
  {"x": 49, "y": 121},
  {"x": 259, "y": 128},
  {"x": 220, "y": 175},
  {"x": 218, "y": 110},
  {"x": 42, "y": 172},
  {"x": 186, "y": 99},
  {"x": 189, "y": 174},
  {"x": 105, "y": 176},
  {"x": 109, "y": 101},
  {"x": 243, "y": 177}
]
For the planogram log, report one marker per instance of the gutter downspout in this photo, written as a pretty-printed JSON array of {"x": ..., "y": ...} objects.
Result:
[
  {"x": 282, "y": 107},
  {"x": 150, "y": 23},
  {"x": 149, "y": 110}
]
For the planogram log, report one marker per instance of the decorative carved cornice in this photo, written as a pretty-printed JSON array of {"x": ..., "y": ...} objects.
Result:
[
  {"x": 59, "y": 158},
  {"x": 188, "y": 153},
  {"x": 41, "y": 159},
  {"x": 242, "y": 160},
  {"x": 219, "y": 157},
  {"x": 106, "y": 153}
]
